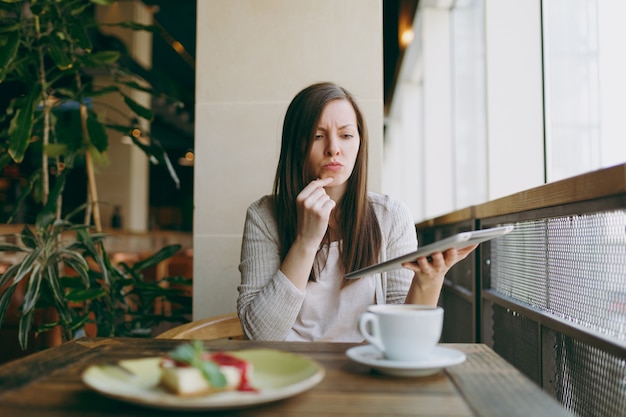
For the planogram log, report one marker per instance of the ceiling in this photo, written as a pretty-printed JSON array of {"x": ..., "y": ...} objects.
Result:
[{"x": 174, "y": 73}]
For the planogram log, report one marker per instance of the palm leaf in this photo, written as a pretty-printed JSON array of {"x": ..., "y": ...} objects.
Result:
[
  {"x": 5, "y": 300},
  {"x": 57, "y": 292},
  {"x": 85, "y": 294},
  {"x": 77, "y": 263},
  {"x": 26, "y": 322},
  {"x": 28, "y": 238},
  {"x": 140, "y": 110},
  {"x": 85, "y": 238},
  {"x": 33, "y": 288},
  {"x": 27, "y": 264},
  {"x": 6, "y": 247},
  {"x": 78, "y": 323},
  {"x": 162, "y": 254},
  {"x": 24, "y": 192},
  {"x": 48, "y": 214},
  {"x": 9, "y": 273}
]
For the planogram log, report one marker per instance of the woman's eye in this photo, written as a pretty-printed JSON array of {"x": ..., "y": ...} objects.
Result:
[
  {"x": 319, "y": 136},
  {"x": 347, "y": 135}
]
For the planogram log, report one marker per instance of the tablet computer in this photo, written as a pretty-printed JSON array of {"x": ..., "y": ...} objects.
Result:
[{"x": 458, "y": 241}]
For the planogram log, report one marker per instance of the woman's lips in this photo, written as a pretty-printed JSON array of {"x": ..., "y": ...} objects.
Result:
[{"x": 333, "y": 166}]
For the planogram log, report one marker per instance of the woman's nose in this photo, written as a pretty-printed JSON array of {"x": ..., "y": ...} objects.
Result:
[{"x": 332, "y": 147}]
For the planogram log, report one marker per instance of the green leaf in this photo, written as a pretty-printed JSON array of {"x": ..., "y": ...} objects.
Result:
[
  {"x": 78, "y": 323},
  {"x": 136, "y": 86},
  {"x": 84, "y": 295},
  {"x": 140, "y": 110},
  {"x": 186, "y": 352},
  {"x": 58, "y": 54},
  {"x": 5, "y": 300},
  {"x": 9, "y": 43},
  {"x": 156, "y": 150},
  {"x": 9, "y": 273},
  {"x": 48, "y": 214},
  {"x": 54, "y": 283},
  {"x": 136, "y": 26},
  {"x": 102, "y": 91},
  {"x": 33, "y": 290},
  {"x": 78, "y": 32},
  {"x": 26, "y": 322},
  {"x": 78, "y": 264},
  {"x": 170, "y": 169},
  {"x": 6, "y": 247},
  {"x": 79, "y": 10},
  {"x": 212, "y": 372},
  {"x": 10, "y": 28},
  {"x": 25, "y": 192},
  {"x": 103, "y": 2},
  {"x": 85, "y": 239},
  {"x": 191, "y": 354},
  {"x": 5, "y": 159},
  {"x": 97, "y": 132},
  {"x": 22, "y": 124},
  {"x": 27, "y": 265},
  {"x": 103, "y": 58},
  {"x": 120, "y": 128},
  {"x": 55, "y": 150},
  {"x": 28, "y": 238},
  {"x": 71, "y": 283},
  {"x": 162, "y": 254}
]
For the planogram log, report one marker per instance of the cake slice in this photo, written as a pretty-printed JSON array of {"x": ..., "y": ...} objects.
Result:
[{"x": 190, "y": 371}]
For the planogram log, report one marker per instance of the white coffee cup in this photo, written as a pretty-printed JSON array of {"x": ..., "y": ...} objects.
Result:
[{"x": 402, "y": 332}]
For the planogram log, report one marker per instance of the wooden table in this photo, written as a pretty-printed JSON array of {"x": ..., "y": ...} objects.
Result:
[{"x": 48, "y": 384}]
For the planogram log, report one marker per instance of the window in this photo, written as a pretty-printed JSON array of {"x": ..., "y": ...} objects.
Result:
[
  {"x": 584, "y": 67},
  {"x": 468, "y": 77}
]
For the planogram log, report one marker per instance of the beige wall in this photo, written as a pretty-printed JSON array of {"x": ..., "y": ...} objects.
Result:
[
  {"x": 124, "y": 181},
  {"x": 252, "y": 57}
]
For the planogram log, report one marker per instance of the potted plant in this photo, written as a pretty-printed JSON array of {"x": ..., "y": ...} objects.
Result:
[
  {"x": 47, "y": 67},
  {"x": 66, "y": 270}
]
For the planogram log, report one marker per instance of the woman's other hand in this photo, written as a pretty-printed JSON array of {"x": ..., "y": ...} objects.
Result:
[{"x": 430, "y": 273}]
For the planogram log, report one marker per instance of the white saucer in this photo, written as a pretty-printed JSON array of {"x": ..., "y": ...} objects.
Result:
[{"x": 440, "y": 358}]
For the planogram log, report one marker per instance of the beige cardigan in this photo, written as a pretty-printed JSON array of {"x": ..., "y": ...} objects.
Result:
[{"x": 268, "y": 303}]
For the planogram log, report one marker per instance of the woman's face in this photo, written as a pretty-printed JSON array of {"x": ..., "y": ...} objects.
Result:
[{"x": 335, "y": 146}]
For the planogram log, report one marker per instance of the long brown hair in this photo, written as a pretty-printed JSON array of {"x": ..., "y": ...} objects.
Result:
[{"x": 360, "y": 233}]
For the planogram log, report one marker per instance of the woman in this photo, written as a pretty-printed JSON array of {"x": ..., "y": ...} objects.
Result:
[{"x": 320, "y": 223}]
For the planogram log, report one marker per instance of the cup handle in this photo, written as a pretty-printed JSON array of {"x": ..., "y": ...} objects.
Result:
[{"x": 372, "y": 336}]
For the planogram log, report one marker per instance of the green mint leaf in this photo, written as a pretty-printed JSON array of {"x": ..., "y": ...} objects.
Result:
[
  {"x": 212, "y": 373},
  {"x": 184, "y": 353},
  {"x": 191, "y": 354}
]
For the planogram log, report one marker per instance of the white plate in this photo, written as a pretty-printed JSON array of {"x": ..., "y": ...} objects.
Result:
[
  {"x": 440, "y": 358},
  {"x": 276, "y": 375}
]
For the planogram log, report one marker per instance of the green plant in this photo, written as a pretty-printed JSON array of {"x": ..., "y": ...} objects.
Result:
[
  {"x": 125, "y": 305},
  {"x": 49, "y": 69},
  {"x": 47, "y": 64},
  {"x": 115, "y": 298}
]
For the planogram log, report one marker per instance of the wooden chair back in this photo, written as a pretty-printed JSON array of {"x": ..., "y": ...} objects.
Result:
[{"x": 217, "y": 327}]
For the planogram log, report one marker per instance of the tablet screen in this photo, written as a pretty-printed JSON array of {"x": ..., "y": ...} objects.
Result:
[{"x": 458, "y": 241}]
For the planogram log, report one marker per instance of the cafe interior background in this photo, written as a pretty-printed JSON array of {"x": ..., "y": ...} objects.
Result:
[{"x": 466, "y": 101}]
